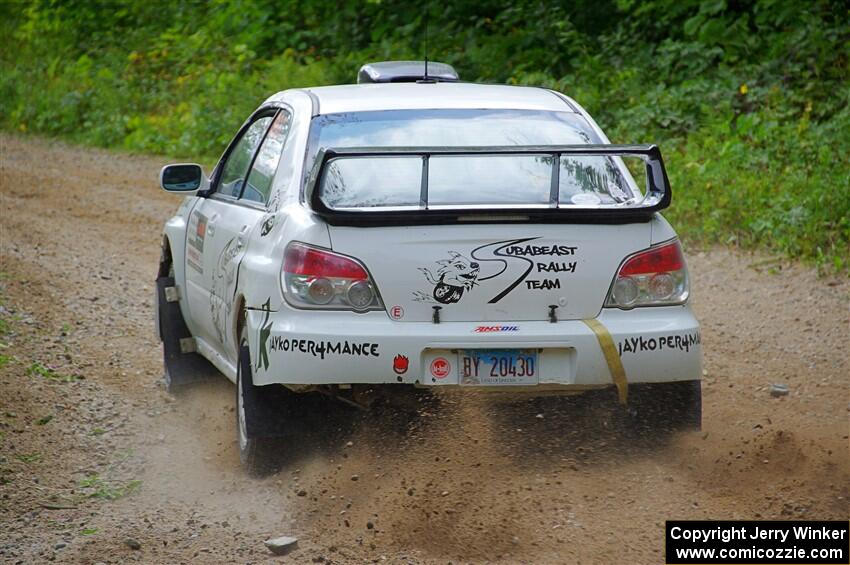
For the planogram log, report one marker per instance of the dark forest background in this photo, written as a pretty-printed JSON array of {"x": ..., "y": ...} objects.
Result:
[{"x": 748, "y": 100}]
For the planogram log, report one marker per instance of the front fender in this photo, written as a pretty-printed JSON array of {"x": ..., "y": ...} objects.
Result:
[{"x": 174, "y": 237}]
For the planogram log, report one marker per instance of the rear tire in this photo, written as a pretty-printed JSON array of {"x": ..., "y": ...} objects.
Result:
[{"x": 259, "y": 418}]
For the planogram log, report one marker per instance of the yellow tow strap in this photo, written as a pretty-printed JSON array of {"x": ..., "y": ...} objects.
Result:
[{"x": 618, "y": 373}]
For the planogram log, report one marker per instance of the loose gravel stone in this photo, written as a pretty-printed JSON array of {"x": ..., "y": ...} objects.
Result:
[{"x": 281, "y": 545}]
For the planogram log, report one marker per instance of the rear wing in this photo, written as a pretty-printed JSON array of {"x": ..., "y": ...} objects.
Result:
[{"x": 641, "y": 208}]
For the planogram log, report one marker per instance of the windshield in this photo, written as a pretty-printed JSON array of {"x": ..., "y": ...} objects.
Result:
[{"x": 461, "y": 180}]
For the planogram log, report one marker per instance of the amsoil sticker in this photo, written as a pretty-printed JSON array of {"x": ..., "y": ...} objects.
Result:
[
  {"x": 195, "y": 249},
  {"x": 540, "y": 267},
  {"x": 495, "y": 329},
  {"x": 400, "y": 364},
  {"x": 641, "y": 344},
  {"x": 440, "y": 368}
]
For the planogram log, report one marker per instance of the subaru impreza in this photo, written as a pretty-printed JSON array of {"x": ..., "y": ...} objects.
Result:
[{"x": 413, "y": 231}]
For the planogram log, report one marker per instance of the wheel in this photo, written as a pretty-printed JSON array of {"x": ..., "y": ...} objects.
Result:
[
  {"x": 259, "y": 418},
  {"x": 179, "y": 368},
  {"x": 666, "y": 406}
]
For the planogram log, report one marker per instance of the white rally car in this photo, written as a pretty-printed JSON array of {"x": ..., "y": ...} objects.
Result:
[{"x": 415, "y": 230}]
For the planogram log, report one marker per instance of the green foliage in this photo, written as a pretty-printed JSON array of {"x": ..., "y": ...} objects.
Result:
[
  {"x": 48, "y": 373},
  {"x": 748, "y": 100},
  {"x": 44, "y": 420},
  {"x": 94, "y": 486}
]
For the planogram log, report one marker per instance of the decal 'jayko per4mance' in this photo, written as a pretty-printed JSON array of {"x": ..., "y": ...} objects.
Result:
[
  {"x": 453, "y": 277},
  {"x": 641, "y": 344},
  {"x": 322, "y": 347}
]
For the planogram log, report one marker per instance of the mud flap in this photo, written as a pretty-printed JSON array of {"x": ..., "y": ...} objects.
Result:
[
  {"x": 612, "y": 358},
  {"x": 674, "y": 406},
  {"x": 180, "y": 368}
]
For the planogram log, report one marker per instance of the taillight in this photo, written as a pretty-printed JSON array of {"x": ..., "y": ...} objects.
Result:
[
  {"x": 655, "y": 277},
  {"x": 317, "y": 278}
]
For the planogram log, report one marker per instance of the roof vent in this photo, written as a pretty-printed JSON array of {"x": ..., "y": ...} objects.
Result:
[{"x": 405, "y": 71}]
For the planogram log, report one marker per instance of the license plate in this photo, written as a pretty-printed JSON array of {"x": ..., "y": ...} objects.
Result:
[{"x": 497, "y": 366}]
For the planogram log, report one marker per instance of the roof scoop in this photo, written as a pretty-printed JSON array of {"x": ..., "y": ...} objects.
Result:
[{"x": 406, "y": 71}]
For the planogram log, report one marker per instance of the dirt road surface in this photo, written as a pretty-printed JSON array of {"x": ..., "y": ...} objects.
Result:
[{"x": 99, "y": 464}]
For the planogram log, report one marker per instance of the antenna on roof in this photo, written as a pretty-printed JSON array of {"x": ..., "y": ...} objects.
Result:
[{"x": 426, "y": 46}]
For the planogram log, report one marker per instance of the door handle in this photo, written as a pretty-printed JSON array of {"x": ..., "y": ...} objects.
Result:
[
  {"x": 211, "y": 224},
  {"x": 240, "y": 240}
]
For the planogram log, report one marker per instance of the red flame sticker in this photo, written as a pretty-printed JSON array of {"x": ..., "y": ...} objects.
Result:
[{"x": 400, "y": 364}]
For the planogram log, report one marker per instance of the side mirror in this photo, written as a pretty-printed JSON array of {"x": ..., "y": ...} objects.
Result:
[{"x": 184, "y": 177}]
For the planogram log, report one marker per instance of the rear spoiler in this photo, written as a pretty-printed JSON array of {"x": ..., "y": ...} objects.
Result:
[{"x": 657, "y": 195}]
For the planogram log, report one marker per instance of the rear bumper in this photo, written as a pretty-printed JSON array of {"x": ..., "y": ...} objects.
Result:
[{"x": 301, "y": 347}]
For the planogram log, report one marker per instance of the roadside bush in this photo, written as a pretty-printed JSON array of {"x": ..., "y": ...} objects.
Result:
[{"x": 748, "y": 100}]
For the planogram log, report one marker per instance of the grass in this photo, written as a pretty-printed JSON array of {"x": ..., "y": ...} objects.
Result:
[
  {"x": 97, "y": 487},
  {"x": 44, "y": 420},
  {"x": 28, "y": 458},
  {"x": 37, "y": 368}
]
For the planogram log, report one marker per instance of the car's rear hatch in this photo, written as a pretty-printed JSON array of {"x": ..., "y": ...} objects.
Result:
[
  {"x": 489, "y": 234},
  {"x": 492, "y": 272}
]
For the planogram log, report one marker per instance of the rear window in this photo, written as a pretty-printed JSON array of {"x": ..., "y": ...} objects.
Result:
[{"x": 382, "y": 181}]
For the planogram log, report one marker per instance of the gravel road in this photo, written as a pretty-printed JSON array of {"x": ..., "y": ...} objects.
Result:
[{"x": 99, "y": 464}]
